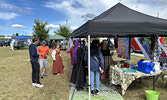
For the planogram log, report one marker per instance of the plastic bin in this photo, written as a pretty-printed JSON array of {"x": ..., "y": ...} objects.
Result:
[
  {"x": 152, "y": 95},
  {"x": 145, "y": 67}
]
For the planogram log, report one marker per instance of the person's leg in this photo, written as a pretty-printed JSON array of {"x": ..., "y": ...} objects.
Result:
[
  {"x": 33, "y": 72},
  {"x": 97, "y": 80},
  {"x": 41, "y": 65},
  {"x": 92, "y": 80},
  {"x": 37, "y": 69},
  {"x": 45, "y": 65},
  {"x": 71, "y": 67}
]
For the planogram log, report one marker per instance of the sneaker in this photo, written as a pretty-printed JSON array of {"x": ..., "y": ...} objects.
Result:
[
  {"x": 39, "y": 85},
  {"x": 45, "y": 74},
  {"x": 96, "y": 92},
  {"x": 34, "y": 84},
  {"x": 92, "y": 92}
]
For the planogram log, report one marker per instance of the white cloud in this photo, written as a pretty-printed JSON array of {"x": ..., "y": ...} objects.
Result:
[
  {"x": 96, "y": 7},
  {"x": 73, "y": 27},
  {"x": 57, "y": 26},
  {"x": 76, "y": 14},
  {"x": 12, "y": 7},
  {"x": 17, "y": 26},
  {"x": 52, "y": 26},
  {"x": 7, "y": 16}
]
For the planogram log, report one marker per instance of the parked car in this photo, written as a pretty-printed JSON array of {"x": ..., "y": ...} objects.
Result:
[
  {"x": 2, "y": 43},
  {"x": 63, "y": 44},
  {"x": 19, "y": 44}
]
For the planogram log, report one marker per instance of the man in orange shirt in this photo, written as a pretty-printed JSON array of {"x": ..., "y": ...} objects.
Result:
[{"x": 43, "y": 52}]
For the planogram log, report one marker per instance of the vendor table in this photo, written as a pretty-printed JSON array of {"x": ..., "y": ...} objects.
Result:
[{"x": 118, "y": 77}]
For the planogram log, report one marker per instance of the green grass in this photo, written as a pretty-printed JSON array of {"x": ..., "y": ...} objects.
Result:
[{"x": 15, "y": 79}]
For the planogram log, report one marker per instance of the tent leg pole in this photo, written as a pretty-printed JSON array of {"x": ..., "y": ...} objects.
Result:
[
  {"x": 129, "y": 49},
  {"x": 89, "y": 65}
]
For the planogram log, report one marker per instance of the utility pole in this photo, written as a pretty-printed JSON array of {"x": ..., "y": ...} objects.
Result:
[
  {"x": 66, "y": 22},
  {"x": 158, "y": 14}
]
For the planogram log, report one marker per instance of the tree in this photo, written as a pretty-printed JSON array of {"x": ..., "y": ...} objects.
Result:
[
  {"x": 17, "y": 34},
  {"x": 63, "y": 31},
  {"x": 40, "y": 30}
]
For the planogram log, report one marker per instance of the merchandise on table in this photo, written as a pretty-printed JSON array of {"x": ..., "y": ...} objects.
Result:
[
  {"x": 134, "y": 66},
  {"x": 145, "y": 67},
  {"x": 118, "y": 77},
  {"x": 129, "y": 70}
]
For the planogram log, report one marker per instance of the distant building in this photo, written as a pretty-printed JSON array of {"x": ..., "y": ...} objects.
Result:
[
  {"x": 5, "y": 37},
  {"x": 2, "y": 36}
]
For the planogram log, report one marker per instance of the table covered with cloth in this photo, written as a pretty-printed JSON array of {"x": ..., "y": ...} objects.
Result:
[{"x": 118, "y": 77}]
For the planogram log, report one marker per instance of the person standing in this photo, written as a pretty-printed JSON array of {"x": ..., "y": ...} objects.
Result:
[
  {"x": 71, "y": 52},
  {"x": 57, "y": 61},
  {"x": 43, "y": 52},
  {"x": 34, "y": 62},
  {"x": 96, "y": 65},
  {"x": 53, "y": 44},
  {"x": 78, "y": 76},
  {"x": 74, "y": 60}
]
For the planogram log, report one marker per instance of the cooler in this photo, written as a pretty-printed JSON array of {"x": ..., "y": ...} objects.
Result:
[{"x": 145, "y": 67}]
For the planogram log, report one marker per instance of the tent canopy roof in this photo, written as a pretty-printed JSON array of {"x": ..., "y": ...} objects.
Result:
[
  {"x": 122, "y": 21},
  {"x": 56, "y": 37},
  {"x": 21, "y": 37}
]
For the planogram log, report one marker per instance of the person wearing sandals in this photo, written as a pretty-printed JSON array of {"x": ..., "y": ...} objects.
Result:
[{"x": 96, "y": 65}]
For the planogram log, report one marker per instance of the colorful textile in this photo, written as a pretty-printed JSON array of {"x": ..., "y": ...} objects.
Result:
[
  {"x": 157, "y": 51},
  {"x": 128, "y": 70},
  {"x": 74, "y": 56},
  {"x": 147, "y": 45},
  {"x": 71, "y": 52},
  {"x": 123, "y": 48},
  {"x": 118, "y": 77},
  {"x": 107, "y": 62},
  {"x": 142, "y": 49}
]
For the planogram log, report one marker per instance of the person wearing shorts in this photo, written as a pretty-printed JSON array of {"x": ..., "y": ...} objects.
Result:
[{"x": 43, "y": 52}]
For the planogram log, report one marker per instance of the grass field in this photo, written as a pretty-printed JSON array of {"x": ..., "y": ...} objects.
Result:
[{"x": 15, "y": 80}]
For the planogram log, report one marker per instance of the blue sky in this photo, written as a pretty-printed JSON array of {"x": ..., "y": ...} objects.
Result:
[{"x": 17, "y": 16}]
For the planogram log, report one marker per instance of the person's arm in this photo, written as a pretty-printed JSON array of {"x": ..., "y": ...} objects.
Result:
[
  {"x": 101, "y": 60},
  {"x": 53, "y": 54},
  {"x": 34, "y": 52},
  {"x": 86, "y": 57},
  {"x": 48, "y": 51},
  {"x": 38, "y": 50}
]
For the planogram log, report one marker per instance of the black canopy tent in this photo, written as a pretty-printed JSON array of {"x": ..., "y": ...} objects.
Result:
[{"x": 121, "y": 21}]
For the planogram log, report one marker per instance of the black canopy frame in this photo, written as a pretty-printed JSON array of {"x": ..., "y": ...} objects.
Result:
[{"x": 121, "y": 21}]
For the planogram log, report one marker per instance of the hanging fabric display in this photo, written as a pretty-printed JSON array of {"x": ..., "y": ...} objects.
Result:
[
  {"x": 123, "y": 48},
  {"x": 142, "y": 49},
  {"x": 146, "y": 42},
  {"x": 157, "y": 52}
]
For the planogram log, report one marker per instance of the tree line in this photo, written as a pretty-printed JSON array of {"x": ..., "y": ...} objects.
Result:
[{"x": 41, "y": 31}]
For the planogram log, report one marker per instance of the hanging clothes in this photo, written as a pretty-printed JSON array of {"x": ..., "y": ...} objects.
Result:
[
  {"x": 146, "y": 43},
  {"x": 123, "y": 48}
]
